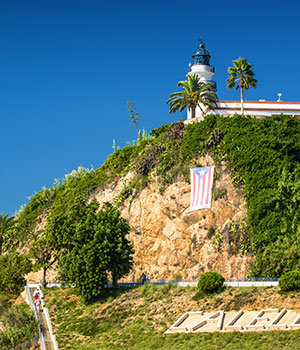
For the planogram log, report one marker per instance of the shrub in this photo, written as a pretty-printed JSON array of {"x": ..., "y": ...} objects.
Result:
[
  {"x": 290, "y": 281},
  {"x": 211, "y": 232},
  {"x": 210, "y": 281},
  {"x": 19, "y": 327},
  {"x": 97, "y": 246},
  {"x": 14, "y": 267},
  {"x": 159, "y": 131}
]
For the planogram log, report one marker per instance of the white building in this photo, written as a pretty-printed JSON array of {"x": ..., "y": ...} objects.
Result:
[{"x": 201, "y": 67}]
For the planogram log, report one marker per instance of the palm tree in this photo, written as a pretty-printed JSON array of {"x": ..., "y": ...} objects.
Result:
[
  {"x": 6, "y": 223},
  {"x": 195, "y": 93},
  {"x": 242, "y": 75}
]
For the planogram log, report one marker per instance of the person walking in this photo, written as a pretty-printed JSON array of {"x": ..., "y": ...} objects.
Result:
[
  {"x": 143, "y": 278},
  {"x": 36, "y": 294},
  {"x": 38, "y": 305}
]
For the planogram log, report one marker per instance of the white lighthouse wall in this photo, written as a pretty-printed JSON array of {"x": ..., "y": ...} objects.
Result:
[{"x": 204, "y": 72}]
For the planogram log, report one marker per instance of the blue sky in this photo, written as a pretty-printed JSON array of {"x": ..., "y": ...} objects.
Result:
[{"x": 67, "y": 69}]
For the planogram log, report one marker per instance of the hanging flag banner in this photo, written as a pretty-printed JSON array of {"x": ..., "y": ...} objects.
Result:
[{"x": 201, "y": 185}]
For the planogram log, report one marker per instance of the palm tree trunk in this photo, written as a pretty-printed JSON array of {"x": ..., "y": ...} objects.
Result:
[
  {"x": 193, "y": 112},
  {"x": 242, "y": 100}
]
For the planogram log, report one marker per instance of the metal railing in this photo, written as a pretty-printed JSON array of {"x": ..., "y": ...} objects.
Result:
[
  {"x": 253, "y": 279},
  {"x": 48, "y": 321},
  {"x": 233, "y": 281},
  {"x": 41, "y": 336}
]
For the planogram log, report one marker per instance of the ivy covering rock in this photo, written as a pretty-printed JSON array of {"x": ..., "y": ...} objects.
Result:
[{"x": 263, "y": 156}]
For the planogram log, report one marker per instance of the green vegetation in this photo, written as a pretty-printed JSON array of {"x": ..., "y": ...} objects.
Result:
[
  {"x": 19, "y": 325},
  {"x": 263, "y": 156},
  {"x": 137, "y": 318},
  {"x": 87, "y": 244},
  {"x": 133, "y": 116},
  {"x": 14, "y": 267},
  {"x": 91, "y": 245},
  {"x": 239, "y": 237},
  {"x": 195, "y": 93},
  {"x": 290, "y": 281},
  {"x": 210, "y": 281},
  {"x": 241, "y": 77},
  {"x": 6, "y": 226}
]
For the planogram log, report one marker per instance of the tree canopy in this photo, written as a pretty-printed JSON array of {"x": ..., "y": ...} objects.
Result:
[
  {"x": 241, "y": 77},
  {"x": 91, "y": 246},
  {"x": 14, "y": 267},
  {"x": 195, "y": 93}
]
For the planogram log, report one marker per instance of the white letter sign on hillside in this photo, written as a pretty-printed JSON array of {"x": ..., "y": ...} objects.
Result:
[
  {"x": 243, "y": 321},
  {"x": 201, "y": 185}
]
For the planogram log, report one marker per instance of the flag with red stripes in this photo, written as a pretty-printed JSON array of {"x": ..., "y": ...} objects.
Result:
[{"x": 202, "y": 181}]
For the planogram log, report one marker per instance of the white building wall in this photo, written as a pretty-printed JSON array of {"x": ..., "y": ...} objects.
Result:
[{"x": 253, "y": 108}]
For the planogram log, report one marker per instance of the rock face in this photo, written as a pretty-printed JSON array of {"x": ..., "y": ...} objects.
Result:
[{"x": 170, "y": 241}]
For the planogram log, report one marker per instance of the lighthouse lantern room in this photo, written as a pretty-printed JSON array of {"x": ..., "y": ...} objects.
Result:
[{"x": 201, "y": 64}]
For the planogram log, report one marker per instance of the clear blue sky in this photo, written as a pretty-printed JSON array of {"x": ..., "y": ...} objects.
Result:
[{"x": 67, "y": 69}]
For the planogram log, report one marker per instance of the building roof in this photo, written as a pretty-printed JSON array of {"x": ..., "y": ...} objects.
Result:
[{"x": 201, "y": 55}]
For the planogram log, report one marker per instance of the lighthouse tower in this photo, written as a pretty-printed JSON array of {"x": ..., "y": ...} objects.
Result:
[{"x": 201, "y": 64}]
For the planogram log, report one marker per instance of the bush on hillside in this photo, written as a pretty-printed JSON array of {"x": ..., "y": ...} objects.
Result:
[
  {"x": 20, "y": 327},
  {"x": 210, "y": 281},
  {"x": 92, "y": 245},
  {"x": 14, "y": 267},
  {"x": 290, "y": 281}
]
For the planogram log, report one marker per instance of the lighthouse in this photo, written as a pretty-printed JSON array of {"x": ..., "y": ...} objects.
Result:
[{"x": 201, "y": 65}]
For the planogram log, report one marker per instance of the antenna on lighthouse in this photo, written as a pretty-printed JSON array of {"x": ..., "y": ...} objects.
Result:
[{"x": 201, "y": 41}]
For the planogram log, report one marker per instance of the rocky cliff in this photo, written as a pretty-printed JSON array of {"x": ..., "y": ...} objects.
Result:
[{"x": 170, "y": 241}]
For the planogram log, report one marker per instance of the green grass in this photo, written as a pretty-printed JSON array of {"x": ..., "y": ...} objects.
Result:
[
  {"x": 19, "y": 325},
  {"x": 137, "y": 318},
  {"x": 4, "y": 304}
]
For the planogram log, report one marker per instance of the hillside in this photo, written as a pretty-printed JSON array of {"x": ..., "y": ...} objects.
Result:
[
  {"x": 136, "y": 318},
  {"x": 17, "y": 324},
  {"x": 255, "y": 212}
]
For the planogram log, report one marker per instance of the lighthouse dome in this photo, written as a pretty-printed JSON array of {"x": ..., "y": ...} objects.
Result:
[{"x": 201, "y": 55}]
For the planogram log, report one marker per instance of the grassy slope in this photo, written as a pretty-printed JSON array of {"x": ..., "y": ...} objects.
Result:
[
  {"x": 19, "y": 324},
  {"x": 137, "y": 318},
  {"x": 4, "y": 305}
]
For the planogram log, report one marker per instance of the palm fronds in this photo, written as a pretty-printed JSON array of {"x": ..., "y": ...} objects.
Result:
[{"x": 195, "y": 93}]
